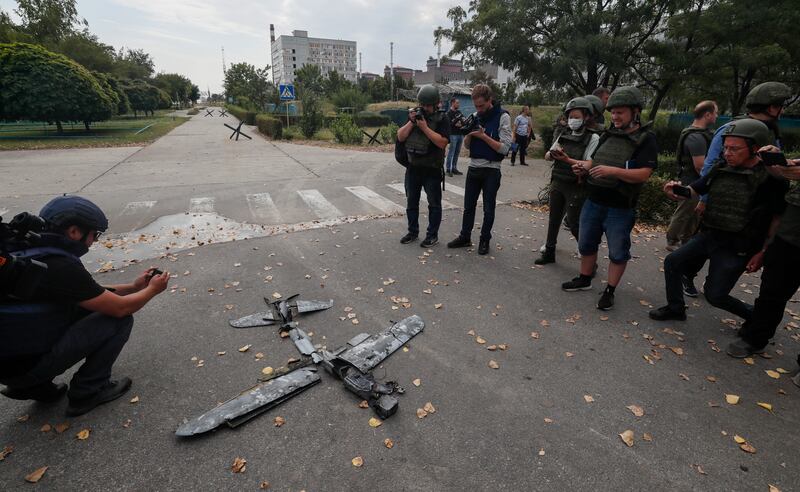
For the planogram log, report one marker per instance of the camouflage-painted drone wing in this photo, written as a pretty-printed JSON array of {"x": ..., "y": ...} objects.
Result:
[
  {"x": 311, "y": 306},
  {"x": 264, "y": 318}
]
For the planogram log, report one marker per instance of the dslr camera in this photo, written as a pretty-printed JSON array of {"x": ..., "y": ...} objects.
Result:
[
  {"x": 470, "y": 124},
  {"x": 19, "y": 277}
]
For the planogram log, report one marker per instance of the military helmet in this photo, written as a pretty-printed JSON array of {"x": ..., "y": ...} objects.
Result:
[
  {"x": 626, "y": 96},
  {"x": 596, "y": 102},
  {"x": 754, "y": 130},
  {"x": 579, "y": 103},
  {"x": 768, "y": 94},
  {"x": 63, "y": 211},
  {"x": 428, "y": 94}
]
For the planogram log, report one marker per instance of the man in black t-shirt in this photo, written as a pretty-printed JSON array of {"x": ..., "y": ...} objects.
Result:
[
  {"x": 743, "y": 211},
  {"x": 69, "y": 317}
]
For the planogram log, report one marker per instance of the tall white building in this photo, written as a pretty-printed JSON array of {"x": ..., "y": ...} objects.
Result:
[{"x": 292, "y": 52}]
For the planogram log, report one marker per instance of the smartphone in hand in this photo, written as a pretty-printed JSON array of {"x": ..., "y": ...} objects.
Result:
[
  {"x": 773, "y": 158},
  {"x": 683, "y": 191}
]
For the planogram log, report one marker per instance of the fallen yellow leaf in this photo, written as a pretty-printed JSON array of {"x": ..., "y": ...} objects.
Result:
[
  {"x": 773, "y": 488},
  {"x": 276, "y": 295},
  {"x": 264, "y": 485},
  {"x": 35, "y": 475},
  {"x": 588, "y": 398},
  {"x": 267, "y": 371},
  {"x": 5, "y": 452},
  {"x": 358, "y": 461},
  {"x": 782, "y": 370},
  {"x": 548, "y": 420},
  {"x": 363, "y": 404},
  {"x": 747, "y": 448},
  {"x": 711, "y": 379},
  {"x": 438, "y": 306},
  {"x": 239, "y": 465},
  {"x": 480, "y": 340},
  {"x": 492, "y": 347},
  {"x": 416, "y": 382},
  {"x": 60, "y": 428},
  {"x": 627, "y": 438},
  {"x": 541, "y": 452},
  {"x": 388, "y": 443},
  {"x": 749, "y": 361},
  {"x": 732, "y": 399},
  {"x": 636, "y": 410},
  {"x": 428, "y": 407},
  {"x": 135, "y": 399},
  {"x": 421, "y": 414},
  {"x": 245, "y": 348},
  {"x": 279, "y": 421},
  {"x": 739, "y": 439},
  {"x": 765, "y": 406},
  {"x": 83, "y": 435},
  {"x": 535, "y": 335},
  {"x": 677, "y": 350},
  {"x": 46, "y": 428},
  {"x": 647, "y": 437},
  {"x": 373, "y": 422},
  {"x": 494, "y": 364},
  {"x": 772, "y": 374}
]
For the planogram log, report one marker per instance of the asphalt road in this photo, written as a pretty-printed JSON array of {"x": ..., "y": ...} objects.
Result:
[{"x": 524, "y": 426}]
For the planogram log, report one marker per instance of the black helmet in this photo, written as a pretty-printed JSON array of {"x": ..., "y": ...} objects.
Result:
[
  {"x": 751, "y": 129},
  {"x": 64, "y": 211}
]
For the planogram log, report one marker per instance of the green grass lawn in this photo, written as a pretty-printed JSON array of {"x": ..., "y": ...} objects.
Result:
[{"x": 117, "y": 132}]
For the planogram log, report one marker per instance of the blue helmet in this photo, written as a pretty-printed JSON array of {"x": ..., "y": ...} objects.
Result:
[{"x": 64, "y": 211}]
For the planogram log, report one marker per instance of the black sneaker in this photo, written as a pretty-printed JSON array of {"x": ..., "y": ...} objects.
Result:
[
  {"x": 547, "y": 257},
  {"x": 688, "y": 287},
  {"x": 457, "y": 172},
  {"x": 577, "y": 283},
  {"x": 460, "y": 242},
  {"x": 110, "y": 392},
  {"x": 429, "y": 241},
  {"x": 449, "y": 174},
  {"x": 741, "y": 349},
  {"x": 606, "y": 301},
  {"x": 45, "y": 393},
  {"x": 408, "y": 238},
  {"x": 483, "y": 247},
  {"x": 522, "y": 164},
  {"x": 665, "y": 313}
]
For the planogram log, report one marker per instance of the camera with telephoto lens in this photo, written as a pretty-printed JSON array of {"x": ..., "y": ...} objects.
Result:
[
  {"x": 470, "y": 124},
  {"x": 419, "y": 113},
  {"x": 20, "y": 277}
]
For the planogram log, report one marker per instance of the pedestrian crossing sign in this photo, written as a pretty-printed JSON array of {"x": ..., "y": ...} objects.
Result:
[{"x": 286, "y": 91}]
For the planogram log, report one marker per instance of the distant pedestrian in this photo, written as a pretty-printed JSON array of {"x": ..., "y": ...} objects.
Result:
[
  {"x": 603, "y": 93},
  {"x": 521, "y": 136},
  {"x": 456, "y": 118}
]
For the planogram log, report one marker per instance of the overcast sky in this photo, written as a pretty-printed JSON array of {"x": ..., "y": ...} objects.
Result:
[{"x": 186, "y": 36}]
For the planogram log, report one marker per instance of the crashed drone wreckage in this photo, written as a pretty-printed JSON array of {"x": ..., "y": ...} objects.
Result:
[{"x": 350, "y": 363}]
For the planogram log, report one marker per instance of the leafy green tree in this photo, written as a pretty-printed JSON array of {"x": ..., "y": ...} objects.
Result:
[
  {"x": 309, "y": 78},
  {"x": 144, "y": 97},
  {"x": 133, "y": 64},
  {"x": 39, "y": 85},
  {"x": 176, "y": 85},
  {"x": 335, "y": 82},
  {"x": 10, "y": 32},
  {"x": 581, "y": 44},
  {"x": 311, "y": 120},
  {"x": 124, "y": 105},
  {"x": 86, "y": 49},
  {"x": 378, "y": 89},
  {"x": 350, "y": 97},
  {"x": 194, "y": 94},
  {"x": 245, "y": 81},
  {"x": 48, "y": 21}
]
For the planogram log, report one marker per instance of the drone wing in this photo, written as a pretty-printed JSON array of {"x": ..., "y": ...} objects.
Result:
[
  {"x": 264, "y": 318},
  {"x": 310, "y": 306}
]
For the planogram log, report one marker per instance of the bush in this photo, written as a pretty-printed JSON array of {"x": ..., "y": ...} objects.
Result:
[
  {"x": 292, "y": 133},
  {"x": 193, "y": 111},
  {"x": 269, "y": 126},
  {"x": 654, "y": 206},
  {"x": 389, "y": 133},
  {"x": 350, "y": 97},
  {"x": 368, "y": 118},
  {"x": 345, "y": 131},
  {"x": 249, "y": 117},
  {"x": 312, "y": 120}
]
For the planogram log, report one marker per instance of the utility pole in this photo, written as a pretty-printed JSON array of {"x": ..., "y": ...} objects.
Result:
[
  {"x": 224, "y": 68},
  {"x": 391, "y": 70},
  {"x": 359, "y": 65}
]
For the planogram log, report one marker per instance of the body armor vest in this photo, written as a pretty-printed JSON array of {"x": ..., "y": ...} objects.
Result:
[
  {"x": 731, "y": 196},
  {"x": 615, "y": 149},
  {"x": 421, "y": 151},
  {"x": 574, "y": 146},
  {"x": 686, "y": 170}
]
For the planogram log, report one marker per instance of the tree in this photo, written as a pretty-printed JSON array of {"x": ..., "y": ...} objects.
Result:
[
  {"x": 245, "y": 81},
  {"x": 581, "y": 44},
  {"x": 194, "y": 94},
  {"x": 133, "y": 64},
  {"x": 48, "y": 21},
  {"x": 350, "y": 97},
  {"x": 311, "y": 121},
  {"x": 309, "y": 78},
  {"x": 39, "y": 85},
  {"x": 176, "y": 85},
  {"x": 86, "y": 49},
  {"x": 124, "y": 105},
  {"x": 142, "y": 96},
  {"x": 335, "y": 82}
]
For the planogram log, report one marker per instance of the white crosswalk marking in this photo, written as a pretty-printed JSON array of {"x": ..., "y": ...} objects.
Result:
[
  {"x": 319, "y": 204},
  {"x": 460, "y": 191},
  {"x": 133, "y": 208},
  {"x": 383, "y": 204},
  {"x": 201, "y": 205},
  {"x": 262, "y": 206},
  {"x": 402, "y": 189}
]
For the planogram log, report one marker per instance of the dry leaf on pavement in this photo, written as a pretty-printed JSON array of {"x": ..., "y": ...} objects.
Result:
[
  {"x": 544, "y": 322},
  {"x": 739, "y": 439},
  {"x": 279, "y": 421},
  {"x": 647, "y": 437},
  {"x": 263, "y": 485},
  {"x": 358, "y": 461},
  {"x": 732, "y": 399},
  {"x": 267, "y": 371},
  {"x": 373, "y": 422},
  {"x": 480, "y": 340},
  {"x": 363, "y": 404},
  {"x": 5, "y": 452},
  {"x": 773, "y": 488},
  {"x": 46, "y": 428},
  {"x": 438, "y": 306},
  {"x": 35, "y": 475},
  {"x": 62, "y": 427},
  {"x": 765, "y": 406},
  {"x": 245, "y": 348},
  {"x": 627, "y": 437},
  {"x": 416, "y": 382},
  {"x": 83, "y": 435},
  {"x": 773, "y": 374},
  {"x": 388, "y": 443},
  {"x": 239, "y": 465},
  {"x": 636, "y": 410},
  {"x": 588, "y": 398},
  {"x": 747, "y": 448},
  {"x": 135, "y": 399},
  {"x": 677, "y": 350},
  {"x": 492, "y": 347},
  {"x": 535, "y": 335},
  {"x": 421, "y": 414},
  {"x": 699, "y": 469},
  {"x": 494, "y": 364},
  {"x": 428, "y": 407},
  {"x": 23, "y": 418},
  {"x": 541, "y": 452}
]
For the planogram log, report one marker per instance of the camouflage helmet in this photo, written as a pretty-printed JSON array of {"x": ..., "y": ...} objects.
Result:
[
  {"x": 596, "y": 102},
  {"x": 626, "y": 96},
  {"x": 579, "y": 103},
  {"x": 428, "y": 94},
  {"x": 768, "y": 94},
  {"x": 753, "y": 130}
]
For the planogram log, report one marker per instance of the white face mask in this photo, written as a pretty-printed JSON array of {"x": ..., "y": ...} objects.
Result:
[{"x": 575, "y": 123}]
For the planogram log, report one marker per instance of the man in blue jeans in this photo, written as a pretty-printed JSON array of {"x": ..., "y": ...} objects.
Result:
[
  {"x": 742, "y": 214},
  {"x": 624, "y": 160},
  {"x": 456, "y": 137},
  {"x": 488, "y": 145},
  {"x": 425, "y": 136}
]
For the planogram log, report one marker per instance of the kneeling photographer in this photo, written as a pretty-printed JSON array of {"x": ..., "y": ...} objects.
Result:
[
  {"x": 53, "y": 314},
  {"x": 425, "y": 136}
]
